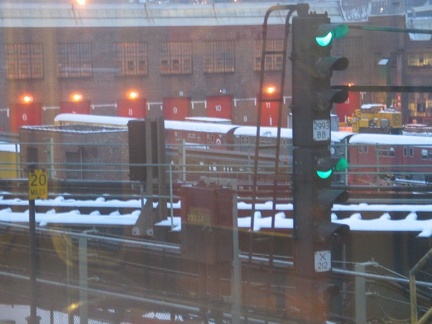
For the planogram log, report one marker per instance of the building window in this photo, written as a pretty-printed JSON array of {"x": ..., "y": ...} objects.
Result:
[
  {"x": 273, "y": 62},
  {"x": 219, "y": 57},
  {"x": 74, "y": 60},
  {"x": 176, "y": 58},
  {"x": 24, "y": 61},
  {"x": 419, "y": 60},
  {"x": 131, "y": 58}
]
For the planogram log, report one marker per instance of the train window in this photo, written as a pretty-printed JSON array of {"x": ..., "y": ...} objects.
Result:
[
  {"x": 424, "y": 154},
  {"x": 383, "y": 151},
  {"x": 408, "y": 151},
  {"x": 362, "y": 149},
  {"x": 177, "y": 135},
  {"x": 265, "y": 140},
  {"x": 191, "y": 136},
  {"x": 210, "y": 138}
]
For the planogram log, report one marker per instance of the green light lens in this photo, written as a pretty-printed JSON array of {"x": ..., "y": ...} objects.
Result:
[
  {"x": 341, "y": 165},
  {"x": 324, "y": 174},
  {"x": 324, "y": 40}
]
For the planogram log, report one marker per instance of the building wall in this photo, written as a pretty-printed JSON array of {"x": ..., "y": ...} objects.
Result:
[
  {"x": 104, "y": 86},
  {"x": 363, "y": 48}
]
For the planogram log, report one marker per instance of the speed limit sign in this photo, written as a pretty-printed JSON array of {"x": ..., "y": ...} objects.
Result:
[{"x": 38, "y": 184}]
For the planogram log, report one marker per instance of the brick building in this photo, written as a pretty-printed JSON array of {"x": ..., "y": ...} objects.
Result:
[{"x": 102, "y": 51}]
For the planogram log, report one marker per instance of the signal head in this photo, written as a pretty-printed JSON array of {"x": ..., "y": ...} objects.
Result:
[{"x": 327, "y": 32}]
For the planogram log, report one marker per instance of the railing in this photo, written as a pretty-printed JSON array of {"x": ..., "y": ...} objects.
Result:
[{"x": 110, "y": 162}]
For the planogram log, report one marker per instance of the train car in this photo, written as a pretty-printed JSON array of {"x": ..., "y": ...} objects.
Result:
[
  {"x": 199, "y": 134},
  {"x": 193, "y": 133},
  {"x": 244, "y": 138},
  {"x": 9, "y": 160},
  {"x": 381, "y": 159}
]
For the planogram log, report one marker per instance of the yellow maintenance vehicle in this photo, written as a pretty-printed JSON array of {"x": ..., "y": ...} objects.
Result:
[{"x": 376, "y": 118}]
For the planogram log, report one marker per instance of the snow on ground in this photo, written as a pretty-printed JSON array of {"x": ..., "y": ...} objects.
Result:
[{"x": 384, "y": 223}]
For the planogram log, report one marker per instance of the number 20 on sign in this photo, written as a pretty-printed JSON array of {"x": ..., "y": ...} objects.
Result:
[{"x": 38, "y": 184}]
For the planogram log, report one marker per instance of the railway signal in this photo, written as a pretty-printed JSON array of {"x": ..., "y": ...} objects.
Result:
[
  {"x": 313, "y": 98},
  {"x": 147, "y": 165},
  {"x": 313, "y": 68}
]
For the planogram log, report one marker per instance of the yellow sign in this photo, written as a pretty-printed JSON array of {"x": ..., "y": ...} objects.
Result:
[{"x": 38, "y": 184}]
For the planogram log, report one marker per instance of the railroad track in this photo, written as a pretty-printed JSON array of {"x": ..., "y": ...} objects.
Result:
[{"x": 124, "y": 190}]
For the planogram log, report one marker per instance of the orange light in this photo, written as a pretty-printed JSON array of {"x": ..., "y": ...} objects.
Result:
[
  {"x": 133, "y": 95},
  {"x": 270, "y": 89},
  {"x": 350, "y": 84},
  {"x": 76, "y": 97},
  {"x": 80, "y": 2},
  {"x": 27, "y": 99}
]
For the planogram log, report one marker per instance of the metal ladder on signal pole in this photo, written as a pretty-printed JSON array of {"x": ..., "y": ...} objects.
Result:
[
  {"x": 426, "y": 318},
  {"x": 279, "y": 100}
]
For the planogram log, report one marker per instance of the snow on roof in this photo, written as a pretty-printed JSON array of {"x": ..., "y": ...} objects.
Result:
[
  {"x": 264, "y": 131},
  {"x": 92, "y": 119},
  {"x": 340, "y": 136},
  {"x": 204, "y": 119},
  {"x": 383, "y": 223},
  {"x": 199, "y": 127},
  {"x": 81, "y": 129},
  {"x": 387, "y": 139}
]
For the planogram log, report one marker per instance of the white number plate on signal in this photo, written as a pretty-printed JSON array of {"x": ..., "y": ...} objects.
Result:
[
  {"x": 321, "y": 130},
  {"x": 323, "y": 261}
]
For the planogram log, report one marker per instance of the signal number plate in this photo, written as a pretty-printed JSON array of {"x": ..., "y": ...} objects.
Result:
[
  {"x": 323, "y": 261},
  {"x": 321, "y": 130}
]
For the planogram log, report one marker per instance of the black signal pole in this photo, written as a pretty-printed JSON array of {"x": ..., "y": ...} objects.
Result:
[
  {"x": 33, "y": 318},
  {"x": 313, "y": 97}
]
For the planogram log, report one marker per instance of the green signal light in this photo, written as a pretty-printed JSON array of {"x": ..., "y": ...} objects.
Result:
[
  {"x": 341, "y": 165},
  {"x": 324, "y": 174},
  {"x": 327, "y": 32},
  {"x": 324, "y": 40}
]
